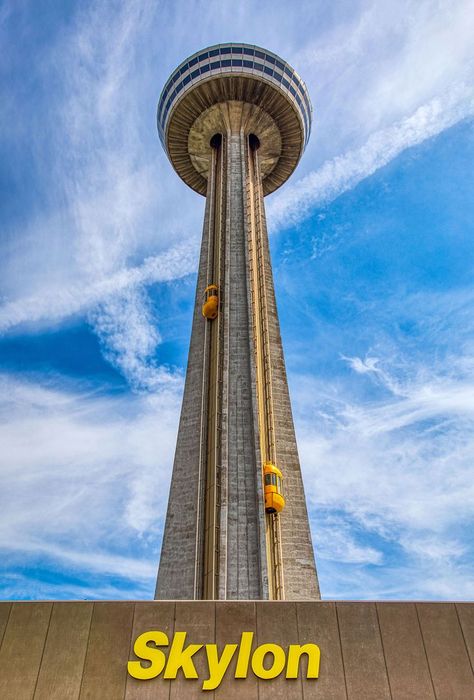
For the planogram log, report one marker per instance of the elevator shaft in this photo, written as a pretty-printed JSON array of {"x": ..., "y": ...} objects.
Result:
[
  {"x": 231, "y": 154},
  {"x": 213, "y": 358},
  {"x": 256, "y": 230}
]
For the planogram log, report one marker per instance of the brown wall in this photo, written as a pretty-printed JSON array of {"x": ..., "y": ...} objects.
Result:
[{"x": 369, "y": 651}]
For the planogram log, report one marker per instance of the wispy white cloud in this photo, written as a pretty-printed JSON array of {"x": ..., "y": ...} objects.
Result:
[
  {"x": 129, "y": 335},
  {"x": 369, "y": 364},
  {"x": 107, "y": 222},
  {"x": 63, "y": 301},
  {"x": 108, "y": 233},
  {"x": 383, "y": 79},
  {"x": 396, "y": 473},
  {"x": 344, "y": 172},
  {"x": 378, "y": 65},
  {"x": 84, "y": 561},
  {"x": 83, "y": 473},
  {"x": 337, "y": 542}
]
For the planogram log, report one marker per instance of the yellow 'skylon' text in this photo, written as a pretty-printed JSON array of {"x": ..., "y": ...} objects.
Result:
[{"x": 267, "y": 660}]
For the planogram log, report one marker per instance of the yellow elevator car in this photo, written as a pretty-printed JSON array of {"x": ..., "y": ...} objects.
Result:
[
  {"x": 272, "y": 477},
  {"x": 211, "y": 302}
]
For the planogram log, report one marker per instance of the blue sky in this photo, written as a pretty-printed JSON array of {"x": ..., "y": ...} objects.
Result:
[{"x": 373, "y": 252}]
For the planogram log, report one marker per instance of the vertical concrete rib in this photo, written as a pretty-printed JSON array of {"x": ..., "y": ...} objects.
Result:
[{"x": 213, "y": 396}]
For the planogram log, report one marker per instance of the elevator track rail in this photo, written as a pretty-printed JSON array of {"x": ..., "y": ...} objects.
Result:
[
  {"x": 258, "y": 273},
  {"x": 211, "y": 425}
]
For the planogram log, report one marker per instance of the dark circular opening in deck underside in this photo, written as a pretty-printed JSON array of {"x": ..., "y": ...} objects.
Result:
[
  {"x": 254, "y": 142},
  {"x": 216, "y": 141}
]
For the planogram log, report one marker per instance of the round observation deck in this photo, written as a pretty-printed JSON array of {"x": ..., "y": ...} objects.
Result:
[{"x": 241, "y": 86}]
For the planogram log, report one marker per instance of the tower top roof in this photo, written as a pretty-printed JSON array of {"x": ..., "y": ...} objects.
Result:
[{"x": 195, "y": 103}]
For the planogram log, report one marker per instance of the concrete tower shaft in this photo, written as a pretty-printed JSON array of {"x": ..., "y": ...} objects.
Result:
[{"x": 239, "y": 136}]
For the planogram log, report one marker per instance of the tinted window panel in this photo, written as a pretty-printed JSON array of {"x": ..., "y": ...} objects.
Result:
[
  {"x": 195, "y": 73},
  {"x": 226, "y": 49},
  {"x": 249, "y": 52},
  {"x": 268, "y": 70},
  {"x": 216, "y": 64},
  {"x": 236, "y": 49},
  {"x": 214, "y": 52},
  {"x": 259, "y": 54},
  {"x": 237, "y": 62},
  {"x": 258, "y": 66},
  {"x": 193, "y": 62},
  {"x": 226, "y": 62},
  {"x": 202, "y": 56},
  {"x": 248, "y": 64},
  {"x": 270, "y": 59}
]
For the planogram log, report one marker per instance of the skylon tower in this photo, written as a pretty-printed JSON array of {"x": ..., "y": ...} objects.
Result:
[{"x": 234, "y": 120}]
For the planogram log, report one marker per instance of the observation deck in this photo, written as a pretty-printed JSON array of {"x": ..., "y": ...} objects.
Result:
[{"x": 199, "y": 100}]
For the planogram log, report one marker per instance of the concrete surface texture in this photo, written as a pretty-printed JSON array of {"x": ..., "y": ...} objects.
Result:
[
  {"x": 369, "y": 651},
  {"x": 237, "y": 132}
]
